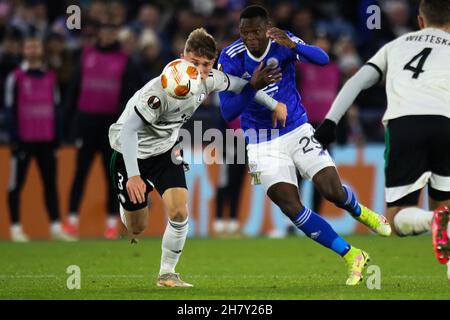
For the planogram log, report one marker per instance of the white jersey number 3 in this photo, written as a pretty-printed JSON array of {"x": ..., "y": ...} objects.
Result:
[{"x": 120, "y": 185}]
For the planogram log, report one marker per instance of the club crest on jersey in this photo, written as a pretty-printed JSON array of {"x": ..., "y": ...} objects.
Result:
[
  {"x": 246, "y": 75},
  {"x": 273, "y": 62},
  {"x": 153, "y": 102}
]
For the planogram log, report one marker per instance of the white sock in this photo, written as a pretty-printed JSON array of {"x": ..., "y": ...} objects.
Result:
[
  {"x": 233, "y": 226},
  {"x": 16, "y": 228},
  {"x": 413, "y": 221},
  {"x": 123, "y": 216},
  {"x": 73, "y": 218},
  {"x": 448, "y": 270},
  {"x": 172, "y": 245},
  {"x": 55, "y": 227},
  {"x": 111, "y": 222},
  {"x": 219, "y": 226}
]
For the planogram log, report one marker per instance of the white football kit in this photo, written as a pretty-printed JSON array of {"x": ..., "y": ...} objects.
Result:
[
  {"x": 416, "y": 67},
  {"x": 276, "y": 161}
]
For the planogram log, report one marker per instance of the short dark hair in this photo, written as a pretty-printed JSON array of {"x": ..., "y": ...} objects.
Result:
[
  {"x": 201, "y": 43},
  {"x": 435, "y": 12},
  {"x": 254, "y": 11}
]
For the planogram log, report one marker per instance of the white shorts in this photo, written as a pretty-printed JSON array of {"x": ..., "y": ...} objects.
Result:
[{"x": 275, "y": 161}]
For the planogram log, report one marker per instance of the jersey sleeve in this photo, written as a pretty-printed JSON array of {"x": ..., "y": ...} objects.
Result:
[
  {"x": 150, "y": 104},
  {"x": 305, "y": 52},
  {"x": 218, "y": 81},
  {"x": 231, "y": 104},
  {"x": 227, "y": 65},
  {"x": 297, "y": 40},
  {"x": 379, "y": 61}
]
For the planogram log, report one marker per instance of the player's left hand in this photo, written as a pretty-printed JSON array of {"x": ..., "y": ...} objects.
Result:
[
  {"x": 280, "y": 37},
  {"x": 263, "y": 76}
]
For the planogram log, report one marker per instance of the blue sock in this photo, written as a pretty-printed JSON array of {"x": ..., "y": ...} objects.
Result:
[
  {"x": 316, "y": 228},
  {"x": 351, "y": 204}
]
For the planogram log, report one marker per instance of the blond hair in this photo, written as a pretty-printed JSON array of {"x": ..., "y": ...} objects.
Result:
[{"x": 201, "y": 43}]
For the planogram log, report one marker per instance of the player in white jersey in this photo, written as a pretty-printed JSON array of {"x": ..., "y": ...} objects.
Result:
[
  {"x": 144, "y": 138},
  {"x": 416, "y": 67}
]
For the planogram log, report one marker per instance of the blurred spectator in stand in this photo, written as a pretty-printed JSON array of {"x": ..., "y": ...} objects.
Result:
[
  {"x": 33, "y": 108},
  {"x": 104, "y": 81},
  {"x": 128, "y": 41},
  {"x": 151, "y": 63},
  {"x": 30, "y": 17},
  {"x": 5, "y": 15},
  {"x": 88, "y": 36},
  {"x": 218, "y": 24},
  {"x": 282, "y": 14},
  {"x": 318, "y": 86},
  {"x": 22, "y": 18},
  {"x": 40, "y": 20},
  {"x": 10, "y": 57},
  {"x": 60, "y": 60},
  {"x": 398, "y": 16},
  {"x": 231, "y": 178},
  {"x": 153, "y": 17},
  {"x": 97, "y": 11},
  {"x": 117, "y": 12},
  {"x": 330, "y": 20},
  {"x": 349, "y": 63},
  {"x": 149, "y": 17},
  {"x": 302, "y": 24},
  {"x": 177, "y": 46}
]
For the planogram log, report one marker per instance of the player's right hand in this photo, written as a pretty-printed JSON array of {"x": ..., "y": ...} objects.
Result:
[
  {"x": 279, "y": 114},
  {"x": 263, "y": 76},
  {"x": 136, "y": 188},
  {"x": 326, "y": 133}
]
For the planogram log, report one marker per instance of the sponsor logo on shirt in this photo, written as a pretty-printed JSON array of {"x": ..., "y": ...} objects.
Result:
[{"x": 246, "y": 75}]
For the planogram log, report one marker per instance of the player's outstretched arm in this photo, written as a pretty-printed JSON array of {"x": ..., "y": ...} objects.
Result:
[
  {"x": 366, "y": 77},
  {"x": 241, "y": 93},
  {"x": 129, "y": 141},
  {"x": 312, "y": 54}
]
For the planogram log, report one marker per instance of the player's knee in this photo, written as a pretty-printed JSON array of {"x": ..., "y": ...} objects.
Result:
[{"x": 178, "y": 213}]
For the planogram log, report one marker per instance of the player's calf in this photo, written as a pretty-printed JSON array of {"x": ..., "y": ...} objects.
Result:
[
  {"x": 135, "y": 221},
  {"x": 286, "y": 197},
  {"x": 329, "y": 185}
]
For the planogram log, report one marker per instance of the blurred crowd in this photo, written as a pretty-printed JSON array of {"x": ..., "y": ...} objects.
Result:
[
  {"x": 153, "y": 33},
  {"x": 82, "y": 78}
]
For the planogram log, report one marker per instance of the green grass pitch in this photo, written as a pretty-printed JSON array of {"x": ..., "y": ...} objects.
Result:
[{"x": 248, "y": 268}]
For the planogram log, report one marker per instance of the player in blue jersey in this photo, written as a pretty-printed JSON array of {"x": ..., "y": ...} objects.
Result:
[{"x": 274, "y": 155}]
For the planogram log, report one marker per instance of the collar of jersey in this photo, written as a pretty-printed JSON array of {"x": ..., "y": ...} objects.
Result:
[
  {"x": 263, "y": 55},
  {"x": 437, "y": 29}
]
